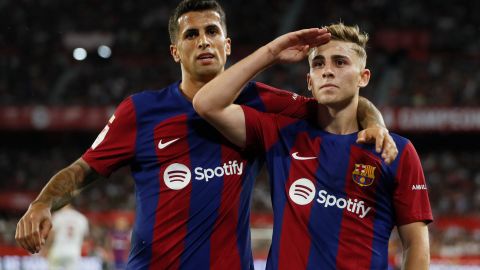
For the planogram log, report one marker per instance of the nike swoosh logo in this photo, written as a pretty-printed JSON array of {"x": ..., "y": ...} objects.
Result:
[
  {"x": 297, "y": 157},
  {"x": 163, "y": 145}
]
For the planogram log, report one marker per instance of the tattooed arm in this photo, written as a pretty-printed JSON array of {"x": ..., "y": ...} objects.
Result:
[{"x": 34, "y": 226}]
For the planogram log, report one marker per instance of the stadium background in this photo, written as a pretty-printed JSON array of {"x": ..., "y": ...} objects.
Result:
[{"x": 424, "y": 57}]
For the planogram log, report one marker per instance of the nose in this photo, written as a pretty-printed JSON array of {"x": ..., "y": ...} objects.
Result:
[
  {"x": 203, "y": 42},
  {"x": 328, "y": 72}
]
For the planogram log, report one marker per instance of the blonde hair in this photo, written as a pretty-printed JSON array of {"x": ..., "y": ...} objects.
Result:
[{"x": 352, "y": 34}]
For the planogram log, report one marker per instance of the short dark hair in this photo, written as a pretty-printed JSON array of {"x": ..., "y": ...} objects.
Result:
[{"x": 193, "y": 5}]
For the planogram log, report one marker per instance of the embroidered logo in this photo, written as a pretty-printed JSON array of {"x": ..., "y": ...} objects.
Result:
[
  {"x": 363, "y": 175},
  {"x": 297, "y": 157},
  {"x": 165, "y": 144}
]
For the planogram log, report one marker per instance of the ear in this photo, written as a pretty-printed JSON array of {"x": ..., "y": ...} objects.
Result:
[
  {"x": 364, "y": 78},
  {"x": 228, "y": 46},
  {"x": 309, "y": 82},
  {"x": 174, "y": 53}
]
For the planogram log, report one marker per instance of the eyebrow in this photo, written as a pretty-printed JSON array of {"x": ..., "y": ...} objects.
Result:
[
  {"x": 190, "y": 30},
  {"x": 212, "y": 26},
  {"x": 335, "y": 56},
  {"x": 206, "y": 27},
  {"x": 318, "y": 57},
  {"x": 339, "y": 56}
]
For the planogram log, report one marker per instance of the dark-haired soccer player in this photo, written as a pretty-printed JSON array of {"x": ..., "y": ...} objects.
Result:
[
  {"x": 193, "y": 187},
  {"x": 335, "y": 202}
]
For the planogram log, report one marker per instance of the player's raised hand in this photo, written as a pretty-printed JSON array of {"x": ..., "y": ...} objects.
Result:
[
  {"x": 33, "y": 227},
  {"x": 383, "y": 142},
  {"x": 294, "y": 46}
]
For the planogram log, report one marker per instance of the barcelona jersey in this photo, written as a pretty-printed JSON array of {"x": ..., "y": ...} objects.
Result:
[
  {"x": 335, "y": 202},
  {"x": 193, "y": 187}
]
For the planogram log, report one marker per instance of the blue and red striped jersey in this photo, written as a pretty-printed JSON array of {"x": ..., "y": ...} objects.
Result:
[
  {"x": 193, "y": 187},
  {"x": 335, "y": 202}
]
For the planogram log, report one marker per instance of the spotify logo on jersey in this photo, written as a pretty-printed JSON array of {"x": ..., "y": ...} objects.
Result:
[
  {"x": 302, "y": 191},
  {"x": 177, "y": 176}
]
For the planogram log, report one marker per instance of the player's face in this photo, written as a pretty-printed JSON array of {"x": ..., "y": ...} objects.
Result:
[
  {"x": 201, "y": 46},
  {"x": 336, "y": 73}
]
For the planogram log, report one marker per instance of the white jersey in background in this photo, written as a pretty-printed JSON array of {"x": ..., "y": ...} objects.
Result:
[{"x": 69, "y": 229}]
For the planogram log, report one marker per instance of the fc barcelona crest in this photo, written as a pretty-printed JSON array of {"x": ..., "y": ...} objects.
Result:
[{"x": 363, "y": 175}]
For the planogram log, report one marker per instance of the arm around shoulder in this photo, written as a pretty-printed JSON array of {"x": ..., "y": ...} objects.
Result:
[{"x": 368, "y": 115}]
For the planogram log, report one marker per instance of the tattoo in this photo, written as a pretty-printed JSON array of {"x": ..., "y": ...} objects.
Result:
[{"x": 66, "y": 184}]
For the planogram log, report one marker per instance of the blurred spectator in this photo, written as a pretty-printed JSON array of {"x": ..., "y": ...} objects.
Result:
[
  {"x": 64, "y": 245},
  {"x": 118, "y": 242}
]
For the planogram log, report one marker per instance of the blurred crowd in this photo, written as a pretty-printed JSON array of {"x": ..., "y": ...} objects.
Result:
[{"x": 422, "y": 53}]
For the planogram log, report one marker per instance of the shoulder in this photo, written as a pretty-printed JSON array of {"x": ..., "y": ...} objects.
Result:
[
  {"x": 149, "y": 95},
  {"x": 400, "y": 141},
  {"x": 407, "y": 154},
  {"x": 147, "y": 99}
]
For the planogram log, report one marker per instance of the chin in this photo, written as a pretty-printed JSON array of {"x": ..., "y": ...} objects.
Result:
[
  {"x": 213, "y": 72},
  {"x": 326, "y": 99}
]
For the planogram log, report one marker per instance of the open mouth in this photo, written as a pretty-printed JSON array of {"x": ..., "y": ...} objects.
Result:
[{"x": 205, "y": 56}]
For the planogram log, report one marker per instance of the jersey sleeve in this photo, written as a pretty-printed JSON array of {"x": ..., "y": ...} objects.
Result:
[
  {"x": 411, "y": 195},
  {"x": 115, "y": 145},
  {"x": 260, "y": 128},
  {"x": 269, "y": 99},
  {"x": 263, "y": 129}
]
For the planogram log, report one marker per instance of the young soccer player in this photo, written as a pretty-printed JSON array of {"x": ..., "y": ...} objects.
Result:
[{"x": 335, "y": 202}]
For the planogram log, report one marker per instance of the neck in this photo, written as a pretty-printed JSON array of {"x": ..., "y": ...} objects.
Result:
[
  {"x": 190, "y": 84},
  {"x": 339, "y": 118}
]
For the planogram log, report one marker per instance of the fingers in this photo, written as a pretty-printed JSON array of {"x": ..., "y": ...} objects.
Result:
[
  {"x": 313, "y": 36},
  {"x": 26, "y": 238},
  {"x": 45, "y": 229},
  {"x": 361, "y": 137},
  {"x": 384, "y": 143},
  {"x": 35, "y": 235},
  {"x": 31, "y": 233},
  {"x": 313, "y": 31},
  {"x": 319, "y": 39},
  {"x": 29, "y": 239},
  {"x": 390, "y": 151},
  {"x": 379, "y": 141},
  {"x": 21, "y": 236}
]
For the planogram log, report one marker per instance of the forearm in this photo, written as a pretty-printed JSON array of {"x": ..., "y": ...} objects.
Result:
[
  {"x": 416, "y": 258},
  {"x": 64, "y": 185},
  {"x": 368, "y": 115},
  {"x": 416, "y": 246},
  {"x": 224, "y": 89}
]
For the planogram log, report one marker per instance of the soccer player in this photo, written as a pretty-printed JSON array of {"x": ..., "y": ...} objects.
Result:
[
  {"x": 70, "y": 229},
  {"x": 335, "y": 202},
  {"x": 118, "y": 242},
  {"x": 193, "y": 187}
]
